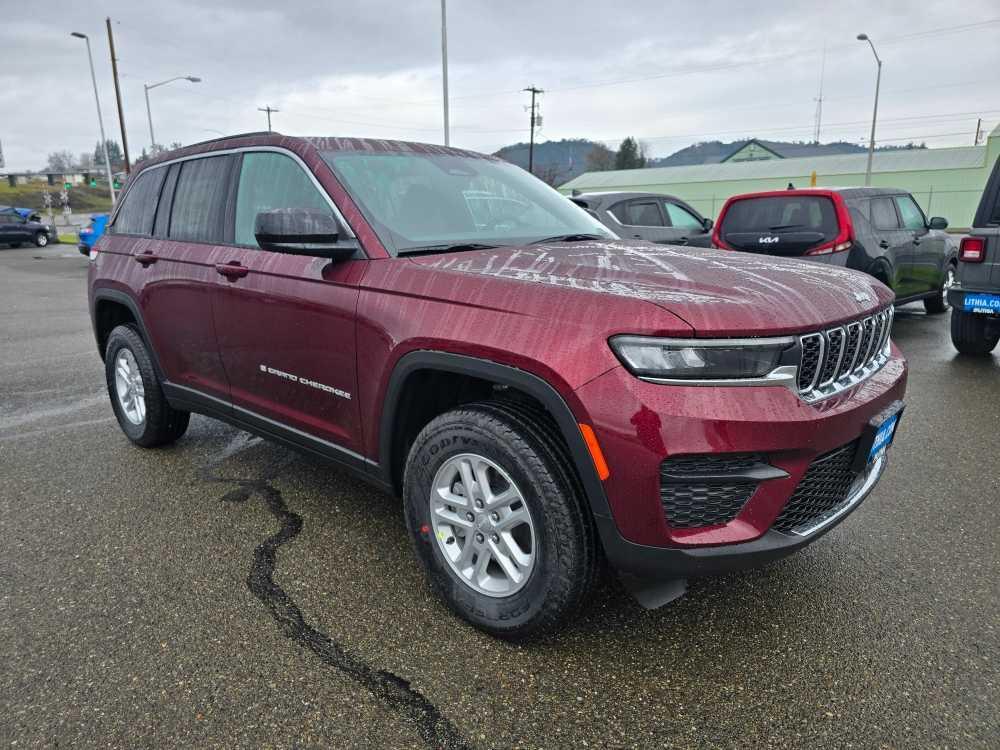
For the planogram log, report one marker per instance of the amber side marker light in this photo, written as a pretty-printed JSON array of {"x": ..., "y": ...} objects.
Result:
[{"x": 595, "y": 451}]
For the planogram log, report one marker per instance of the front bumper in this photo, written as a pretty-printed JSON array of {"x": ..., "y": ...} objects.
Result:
[{"x": 639, "y": 424}]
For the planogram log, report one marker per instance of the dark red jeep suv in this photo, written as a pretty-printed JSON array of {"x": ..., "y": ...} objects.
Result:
[{"x": 540, "y": 394}]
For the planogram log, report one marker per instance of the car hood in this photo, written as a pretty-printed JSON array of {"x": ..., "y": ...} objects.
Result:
[{"x": 717, "y": 292}]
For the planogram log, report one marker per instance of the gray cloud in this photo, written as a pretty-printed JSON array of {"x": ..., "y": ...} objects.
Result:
[{"x": 690, "y": 71}]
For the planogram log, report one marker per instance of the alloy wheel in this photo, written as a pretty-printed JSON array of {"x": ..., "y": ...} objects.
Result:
[
  {"x": 129, "y": 387},
  {"x": 482, "y": 525}
]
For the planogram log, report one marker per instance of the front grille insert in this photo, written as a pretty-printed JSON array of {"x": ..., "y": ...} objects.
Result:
[
  {"x": 709, "y": 489},
  {"x": 824, "y": 487},
  {"x": 837, "y": 358}
]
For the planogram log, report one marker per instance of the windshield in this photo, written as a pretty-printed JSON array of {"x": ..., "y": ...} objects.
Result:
[{"x": 437, "y": 200}]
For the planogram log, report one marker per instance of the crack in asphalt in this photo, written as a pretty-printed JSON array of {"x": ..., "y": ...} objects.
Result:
[{"x": 436, "y": 730}]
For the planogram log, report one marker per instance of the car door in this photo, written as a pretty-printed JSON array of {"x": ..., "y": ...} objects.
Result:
[
  {"x": 170, "y": 222},
  {"x": 286, "y": 323},
  {"x": 893, "y": 243},
  {"x": 688, "y": 227},
  {"x": 925, "y": 266},
  {"x": 644, "y": 219},
  {"x": 10, "y": 226}
]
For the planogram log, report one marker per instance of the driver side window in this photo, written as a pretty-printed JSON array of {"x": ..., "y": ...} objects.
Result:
[{"x": 269, "y": 180}]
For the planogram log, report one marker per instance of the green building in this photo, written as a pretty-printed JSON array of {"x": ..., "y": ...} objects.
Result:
[{"x": 945, "y": 181}]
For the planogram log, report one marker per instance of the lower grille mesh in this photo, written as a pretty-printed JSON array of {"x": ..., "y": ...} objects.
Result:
[
  {"x": 824, "y": 486},
  {"x": 691, "y": 500}
]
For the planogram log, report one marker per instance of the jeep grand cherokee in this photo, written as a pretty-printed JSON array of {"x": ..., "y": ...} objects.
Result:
[{"x": 538, "y": 393}]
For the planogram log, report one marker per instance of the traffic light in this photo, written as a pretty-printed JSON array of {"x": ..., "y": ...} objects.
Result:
[
  {"x": 67, "y": 185},
  {"x": 93, "y": 182}
]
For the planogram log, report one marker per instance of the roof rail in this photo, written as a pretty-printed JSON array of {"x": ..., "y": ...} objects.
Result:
[{"x": 234, "y": 135}]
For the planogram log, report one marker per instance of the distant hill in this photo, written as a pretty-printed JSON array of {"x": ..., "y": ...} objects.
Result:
[{"x": 555, "y": 161}]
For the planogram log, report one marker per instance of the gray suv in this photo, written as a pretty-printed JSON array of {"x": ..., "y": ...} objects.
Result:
[
  {"x": 975, "y": 297},
  {"x": 648, "y": 216}
]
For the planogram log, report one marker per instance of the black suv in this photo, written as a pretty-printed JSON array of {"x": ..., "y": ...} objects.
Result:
[
  {"x": 881, "y": 231},
  {"x": 16, "y": 228},
  {"x": 648, "y": 216},
  {"x": 975, "y": 297}
]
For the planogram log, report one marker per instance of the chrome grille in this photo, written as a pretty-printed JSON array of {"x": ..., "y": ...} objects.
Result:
[{"x": 837, "y": 358}]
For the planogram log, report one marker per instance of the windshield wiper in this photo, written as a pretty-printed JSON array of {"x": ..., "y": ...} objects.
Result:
[
  {"x": 569, "y": 238},
  {"x": 779, "y": 227},
  {"x": 453, "y": 248}
]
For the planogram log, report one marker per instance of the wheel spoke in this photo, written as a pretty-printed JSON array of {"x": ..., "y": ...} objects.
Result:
[
  {"x": 481, "y": 565},
  {"x": 465, "y": 556},
  {"x": 506, "y": 497},
  {"x": 511, "y": 546},
  {"x": 506, "y": 563},
  {"x": 514, "y": 518},
  {"x": 122, "y": 371},
  {"x": 140, "y": 407},
  {"x": 453, "y": 518},
  {"x": 483, "y": 481},
  {"x": 468, "y": 480}
]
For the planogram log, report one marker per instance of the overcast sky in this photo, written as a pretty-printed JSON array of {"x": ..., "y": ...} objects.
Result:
[{"x": 668, "y": 73}]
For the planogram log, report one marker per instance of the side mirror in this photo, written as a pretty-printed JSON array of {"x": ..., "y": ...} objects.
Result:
[
  {"x": 937, "y": 222},
  {"x": 708, "y": 223},
  {"x": 301, "y": 231}
]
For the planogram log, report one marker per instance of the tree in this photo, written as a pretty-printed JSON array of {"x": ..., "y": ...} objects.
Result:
[
  {"x": 114, "y": 154},
  {"x": 59, "y": 161},
  {"x": 86, "y": 161},
  {"x": 600, "y": 158},
  {"x": 630, "y": 155}
]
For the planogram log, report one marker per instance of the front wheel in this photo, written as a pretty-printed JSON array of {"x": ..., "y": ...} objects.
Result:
[
  {"x": 970, "y": 333},
  {"x": 496, "y": 521},
  {"x": 41, "y": 239},
  {"x": 939, "y": 302},
  {"x": 136, "y": 396}
]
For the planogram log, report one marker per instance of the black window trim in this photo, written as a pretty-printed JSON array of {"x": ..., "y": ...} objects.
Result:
[{"x": 349, "y": 230}]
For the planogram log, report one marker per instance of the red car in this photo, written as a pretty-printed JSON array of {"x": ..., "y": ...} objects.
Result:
[{"x": 539, "y": 393}]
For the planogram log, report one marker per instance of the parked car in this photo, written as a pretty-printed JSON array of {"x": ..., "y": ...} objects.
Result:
[
  {"x": 975, "y": 297},
  {"x": 20, "y": 225},
  {"x": 881, "y": 231},
  {"x": 538, "y": 393},
  {"x": 648, "y": 216},
  {"x": 90, "y": 234}
]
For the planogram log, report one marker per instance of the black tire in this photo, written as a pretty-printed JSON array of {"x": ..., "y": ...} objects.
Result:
[
  {"x": 971, "y": 335},
  {"x": 41, "y": 239},
  {"x": 939, "y": 302},
  {"x": 162, "y": 424},
  {"x": 566, "y": 550}
]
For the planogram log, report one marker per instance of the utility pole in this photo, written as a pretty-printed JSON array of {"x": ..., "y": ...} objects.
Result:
[
  {"x": 535, "y": 120},
  {"x": 269, "y": 109},
  {"x": 819, "y": 99},
  {"x": 118, "y": 96},
  {"x": 878, "y": 81},
  {"x": 444, "y": 68}
]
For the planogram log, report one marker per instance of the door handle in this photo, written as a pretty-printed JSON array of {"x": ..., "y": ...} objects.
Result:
[
  {"x": 883, "y": 244},
  {"x": 232, "y": 270},
  {"x": 145, "y": 259}
]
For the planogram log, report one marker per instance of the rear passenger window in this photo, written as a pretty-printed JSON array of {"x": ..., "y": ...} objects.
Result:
[
  {"x": 162, "y": 222},
  {"x": 884, "y": 214},
  {"x": 139, "y": 205},
  {"x": 200, "y": 199},
  {"x": 268, "y": 181},
  {"x": 646, "y": 214}
]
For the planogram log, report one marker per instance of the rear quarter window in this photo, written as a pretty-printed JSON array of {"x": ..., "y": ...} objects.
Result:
[{"x": 139, "y": 205}]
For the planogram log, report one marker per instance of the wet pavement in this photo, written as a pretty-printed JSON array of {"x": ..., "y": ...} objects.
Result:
[{"x": 226, "y": 592}]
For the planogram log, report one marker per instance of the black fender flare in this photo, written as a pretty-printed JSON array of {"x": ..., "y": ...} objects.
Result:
[
  {"x": 502, "y": 375},
  {"x": 127, "y": 301}
]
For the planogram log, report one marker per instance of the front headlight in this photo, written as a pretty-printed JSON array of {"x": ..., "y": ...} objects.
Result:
[{"x": 705, "y": 359}]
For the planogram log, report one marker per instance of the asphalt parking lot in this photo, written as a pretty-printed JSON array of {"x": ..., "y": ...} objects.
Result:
[{"x": 226, "y": 592}]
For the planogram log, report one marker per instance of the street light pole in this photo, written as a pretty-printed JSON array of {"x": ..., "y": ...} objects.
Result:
[
  {"x": 878, "y": 82},
  {"x": 444, "y": 69},
  {"x": 100, "y": 119},
  {"x": 149, "y": 113}
]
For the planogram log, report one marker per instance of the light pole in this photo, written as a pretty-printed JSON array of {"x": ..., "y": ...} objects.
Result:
[
  {"x": 878, "y": 81},
  {"x": 100, "y": 120},
  {"x": 149, "y": 114},
  {"x": 444, "y": 69}
]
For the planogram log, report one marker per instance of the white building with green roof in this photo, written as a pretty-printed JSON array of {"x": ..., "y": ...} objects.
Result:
[{"x": 945, "y": 181}]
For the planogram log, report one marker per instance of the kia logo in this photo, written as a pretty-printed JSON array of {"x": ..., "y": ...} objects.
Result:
[{"x": 768, "y": 240}]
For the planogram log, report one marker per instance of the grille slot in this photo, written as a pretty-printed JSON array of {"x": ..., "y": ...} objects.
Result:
[
  {"x": 835, "y": 351},
  {"x": 706, "y": 490},
  {"x": 840, "y": 357},
  {"x": 823, "y": 488}
]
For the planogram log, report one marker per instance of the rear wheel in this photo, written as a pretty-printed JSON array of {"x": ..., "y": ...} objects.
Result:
[
  {"x": 497, "y": 524},
  {"x": 971, "y": 334},
  {"x": 939, "y": 302},
  {"x": 136, "y": 397},
  {"x": 41, "y": 239}
]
